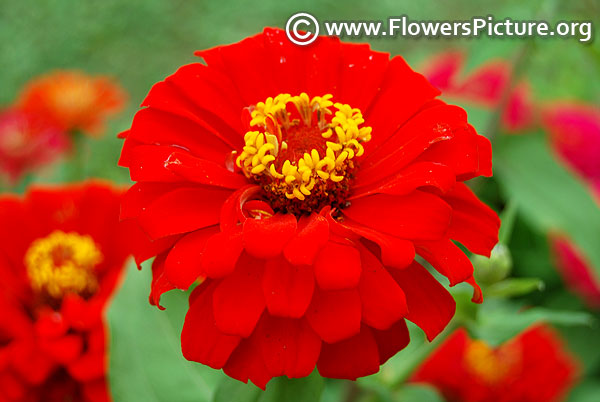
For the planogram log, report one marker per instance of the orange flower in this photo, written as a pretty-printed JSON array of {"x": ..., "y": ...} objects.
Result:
[{"x": 73, "y": 99}]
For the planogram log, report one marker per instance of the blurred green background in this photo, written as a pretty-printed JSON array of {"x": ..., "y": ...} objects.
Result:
[{"x": 140, "y": 42}]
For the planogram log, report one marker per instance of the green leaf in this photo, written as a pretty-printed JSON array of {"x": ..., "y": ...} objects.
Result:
[
  {"x": 230, "y": 390},
  {"x": 294, "y": 390},
  {"x": 500, "y": 320},
  {"x": 513, "y": 287},
  {"x": 145, "y": 360},
  {"x": 418, "y": 392},
  {"x": 278, "y": 389},
  {"x": 508, "y": 216},
  {"x": 587, "y": 391},
  {"x": 549, "y": 197}
]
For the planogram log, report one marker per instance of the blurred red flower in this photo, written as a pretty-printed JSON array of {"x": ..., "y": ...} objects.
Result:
[
  {"x": 61, "y": 254},
  {"x": 27, "y": 142},
  {"x": 485, "y": 86},
  {"x": 532, "y": 367},
  {"x": 574, "y": 131},
  {"x": 304, "y": 216},
  {"x": 73, "y": 100}
]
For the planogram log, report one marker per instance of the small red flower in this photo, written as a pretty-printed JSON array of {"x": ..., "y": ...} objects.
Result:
[
  {"x": 303, "y": 218},
  {"x": 73, "y": 100},
  {"x": 532, "y": 367},
  {"x": 61, "y": 255},
  {"x": 28, "y": 142},
  {"x": 485, "y": 86}
]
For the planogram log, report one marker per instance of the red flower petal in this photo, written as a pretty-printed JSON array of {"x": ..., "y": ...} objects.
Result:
[
  {"x": 63, "y": 350},
  {"x": 183, "y": 210},
  {"x": 221, "y": 252},
  {"x": 167, "y": 97},
  {"x": 335, "y": 315},
  {"x": 474, "y": 224},
  {"x": 266, "y": 238},
  {"x": 448, "y": 259},
  {"x": 383, "y": 301},
  {"x": 151, "y": 126},
  {"x": 214, "y": 93},
  {"x": 419, "y": 215},
  {"x": 435, "y": 123},
  {"x": 361, "y": 72},
  {"x": 183, "y": 266},
  {"x": 160, "y": 283},
  {"x": 246, "y": 363},
  {"x": 196, "y": 170},
  {"x": 238, "y": 300},
  {"x": 288, "y": 289},
  {"x": 412, "y": 177},
  {"x": 389, "y": 111},
  {"x": 350, "y": 358},
  {"x": 392, "y": 340},
  {"x": 430, "y": 306},
  {"x": 201, "y": 340},
  {"x": 337, "y": 267},
  {"x": 289, "y": 347},
  {"x": 395, "y": 252},
  {"x": 313, "y": 233},
  {"x": 147, "y": 164},
  {"x": 468, "y": 154}
]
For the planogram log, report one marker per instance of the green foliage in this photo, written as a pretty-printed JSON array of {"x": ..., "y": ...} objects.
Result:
[
  {"x": 278, "y": 389},
  {"x": 499, "y": 320},
  {"x": 551, "y": 198},
  {"x": 514, "y": 287},
  {"x": 146, "y": 363}
]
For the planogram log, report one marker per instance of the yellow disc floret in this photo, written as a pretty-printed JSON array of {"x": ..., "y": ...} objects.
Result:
[
  {"x": 298, "y": 145},
  {"x": 63, "y": 263},
  {"x": 489, "y": 365}
]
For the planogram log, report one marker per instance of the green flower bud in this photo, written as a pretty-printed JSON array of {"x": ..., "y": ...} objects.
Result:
[{"x": 493, "y": 269}]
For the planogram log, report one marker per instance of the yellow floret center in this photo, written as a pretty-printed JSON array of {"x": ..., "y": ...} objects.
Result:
[
  {"x": 63, "y": 263},
  {"x": 300, "y": 148},
  {"x": 491, "y": 366}
]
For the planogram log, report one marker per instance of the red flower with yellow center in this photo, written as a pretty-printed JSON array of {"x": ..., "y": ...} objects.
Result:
[
  {"x": 61, "y": 255},
  {"x": 27, "y": 142},
  {"x": 532, "y": 367},
  {"x": 302, "y": 218},
  {"x": 73, "y": 100}
]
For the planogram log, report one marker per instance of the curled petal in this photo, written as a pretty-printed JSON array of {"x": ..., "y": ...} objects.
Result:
[
  {"x": 313, "y": 233},
  {"x": 266, "y": 238}
]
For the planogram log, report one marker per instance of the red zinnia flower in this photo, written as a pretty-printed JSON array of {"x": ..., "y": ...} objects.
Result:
[
  {"x": 532, "y": 367},
  {"x": 27, "y": 142},
  {"x": 304, "y": 215},
  {"x": 486, "y": 86},
  {"x": 61, "y": 254},
  {"x": 73, "y": 99}
]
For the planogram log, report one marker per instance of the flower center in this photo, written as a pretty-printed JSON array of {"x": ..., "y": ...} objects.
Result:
[
  {"x": 301, "y": 152},
  {"x": 489, "y": 365},
  {"x": 63, "y": 263}
]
